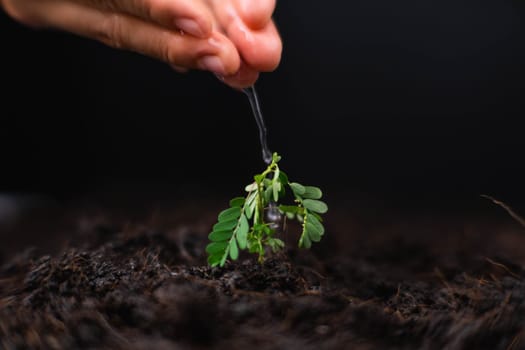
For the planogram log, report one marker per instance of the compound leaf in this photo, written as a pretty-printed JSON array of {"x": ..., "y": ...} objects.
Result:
[{"x": 244, "y": 224}]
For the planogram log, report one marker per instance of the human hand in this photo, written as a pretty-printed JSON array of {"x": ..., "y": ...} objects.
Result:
[{"x": 235, "y": 39}]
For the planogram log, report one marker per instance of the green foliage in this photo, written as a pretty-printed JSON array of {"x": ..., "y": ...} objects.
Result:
[{"x": 244, "y": 225}]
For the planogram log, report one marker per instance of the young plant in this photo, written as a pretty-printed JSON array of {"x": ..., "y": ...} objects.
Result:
[{"x": 252, "y": 222}]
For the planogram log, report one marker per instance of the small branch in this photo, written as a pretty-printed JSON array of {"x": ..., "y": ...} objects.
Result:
[
  {"x": 508, "y": 209},
  {"x": 503, "y": 267}
]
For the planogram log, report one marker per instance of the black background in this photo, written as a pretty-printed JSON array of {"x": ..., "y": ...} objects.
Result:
[{"x": 404, "y": 99}]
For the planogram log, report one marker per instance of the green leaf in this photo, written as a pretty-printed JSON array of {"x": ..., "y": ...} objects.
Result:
[
  {"x": 312, "y": 232},
  {"x": 219, "y": 236},
  {"x": 283, "y": 177},
  {"x": 225, "y": 225},
  {"x": 254, "y": 248},
  {"x": 214, "y": 260},
  {"x": 268, "y": 192},
  {"x": 259, "y": 227},
  {"x": 267, "y": 230},
  {"x": 305, "y": 241},
  {"x": 237, "y": 202},
  {"x": 249, "y": 208},
  {"x": 315, "y": 223},
  {"x": 225, "y": 256},
  {"x": 276, "y": 186},
  {"x": 312, "y": 192},
  {"x": 317, "y": 216},
  {"x": 289, "y": 209},
  {"x": 234, "y": 251},
  {"x": 216, "y": 247},
  {"x": 242, "y": 226},
  {"x": 276, "y": 244},
  {"x": 242, "y": 232},
  {"x": 315, "y": 205},
  {"x": 297, "y": 188},
  {"x": 229, "y": 214}
]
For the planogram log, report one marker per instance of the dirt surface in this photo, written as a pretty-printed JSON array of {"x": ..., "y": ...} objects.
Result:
[{"x": 399, "y": 282}]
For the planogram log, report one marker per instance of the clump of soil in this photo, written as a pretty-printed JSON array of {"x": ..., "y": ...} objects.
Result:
[{"x": 124, "y": 288}]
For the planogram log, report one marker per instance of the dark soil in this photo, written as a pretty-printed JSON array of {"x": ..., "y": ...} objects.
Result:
[{"x": 394, "y": 283}]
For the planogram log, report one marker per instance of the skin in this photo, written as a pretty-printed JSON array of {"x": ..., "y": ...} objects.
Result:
[{"x": 234, "y": 39}]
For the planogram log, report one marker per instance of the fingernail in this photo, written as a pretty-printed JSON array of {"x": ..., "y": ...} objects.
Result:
[
  {"x": 189, "y": 26},
  {"x": 211, "y": 63}
]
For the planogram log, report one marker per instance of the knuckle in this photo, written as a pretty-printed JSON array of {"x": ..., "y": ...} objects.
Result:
[
  {"x": 111, "y": 31},
  {"x": 166, "y": 52}
]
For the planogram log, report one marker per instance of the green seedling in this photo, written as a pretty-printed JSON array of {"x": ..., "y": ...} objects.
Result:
[{"x": 248, "y": 223}]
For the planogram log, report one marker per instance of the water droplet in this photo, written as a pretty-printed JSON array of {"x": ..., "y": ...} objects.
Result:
[{"x": 273, "y": 216}]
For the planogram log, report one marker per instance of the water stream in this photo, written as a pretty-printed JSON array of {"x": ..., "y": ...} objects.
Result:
[
  {"x": 263, "y": 133},
  {"x": 273, "y": 216}
]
